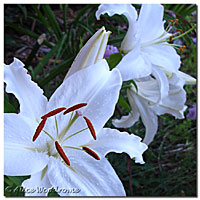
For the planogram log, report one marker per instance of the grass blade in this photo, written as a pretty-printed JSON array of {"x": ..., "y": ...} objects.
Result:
[
  {"x": 26, "y": 31},
  {"x": 59, "y": 69},
  {"x": 53, "y": 21},
  {"x": 46, "y": 59}
]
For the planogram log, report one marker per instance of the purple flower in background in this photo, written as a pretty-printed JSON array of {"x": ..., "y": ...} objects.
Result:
[
  {"x": 110, "y": 49},
  {"x": 192, "y": 112},
  {"x": 172, "y": 13},
  {"x": 194, "y": 40}
]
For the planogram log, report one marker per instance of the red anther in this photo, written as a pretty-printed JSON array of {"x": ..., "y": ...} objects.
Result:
[
  {"x": 179, "y": 30},
  {"x": 53, "y": 112},
  {"x": 182, "y": 49},
  {"x": 62, "y": 153},
  {"x": 183, "y": 46},
  {"x": 75, "y": 107},
  {"x": 90, "y": 126},
  {"x": 170, "y": 20},
  {"x": 170, "y": 38},
  {"x": 39, "y": 129},
  {"x": 176, "y": 20},
  {"x": 91, "y": 153}
]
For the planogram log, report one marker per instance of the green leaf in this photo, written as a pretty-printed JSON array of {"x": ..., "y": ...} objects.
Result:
[
  {"x": 39, "y": 67},
  {"x": 60, "y": 48},
  {"x": 26, "y": 31},
  {"x": 32, "y": 54},
  {"x": 8, "y": 107},
  {"x": 64, "y": 16},
  {"x": 123, "y": 103},
  {"x": 51, "y": 17},
  {"x": 114, "y": 59},
  {"x": 42, "y": 19},
  {"x": 87, "y": 28},
  {"x": 117, "y": 39},
  {"x": 134, "y": 83},
  {"x": 24, "y": 10},
  {"x": 82, "y": 12},
  {"x": 59, "y": 69}
]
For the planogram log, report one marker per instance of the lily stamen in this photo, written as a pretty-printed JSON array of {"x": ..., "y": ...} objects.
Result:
[
  {"x": 75, "y": 107},
  {"x": 53, "y": 112},
  {"x": 74, "y": 134},
  {"x": 39, "y": 129},
  {"x": 170, "y": 38},
  {"x": 91, "y": 127},
  {"x": 62, "y": 153},
  {"x": 181, "y": 49},
  {"x": 179, "y": 30},
  {"x": 91, "y": 153},
  {"x": 176, "y": 20}
]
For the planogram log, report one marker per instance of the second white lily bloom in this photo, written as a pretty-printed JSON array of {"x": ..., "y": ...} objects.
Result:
[
  {"x": 144, "y": 103},
  {"x": 145, "y": 43}
]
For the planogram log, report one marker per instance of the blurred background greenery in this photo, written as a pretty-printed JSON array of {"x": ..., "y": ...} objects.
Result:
[{"x": 171, "y": 160}]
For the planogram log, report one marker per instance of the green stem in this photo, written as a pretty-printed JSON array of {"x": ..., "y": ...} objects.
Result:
[
  {"x": 126, "y": 87},
  {"x": 183, "y": 34}
]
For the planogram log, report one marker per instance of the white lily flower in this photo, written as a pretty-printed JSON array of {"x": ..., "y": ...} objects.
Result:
[
  {"x": 145, "y": 104},
  {"x": 67, "y": 150},
  {"x": 145, "y": 43},
  {"x": 91, "y": 52}
]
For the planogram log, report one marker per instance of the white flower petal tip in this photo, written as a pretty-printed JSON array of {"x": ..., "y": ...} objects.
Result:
[
  {"x": 130, "y": 12},
  {"x": 112, "y": 140},
  {"x": 187, "y": 78},
  {"x": 126, "y": 121},
  {"x": 91, "y": 52},
  {"x": 111, "y": 9},
  {"x": 29, "y": 94}
]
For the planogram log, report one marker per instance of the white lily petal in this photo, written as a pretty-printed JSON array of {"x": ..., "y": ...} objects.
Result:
[
  {"x": 134, "y": 65},
  {"x": 92, "y": 51},
  {"x": 151, "y": 22},
  {"x": 131, "y": 14},
  {"x": 159, "y": 55},
  {"x": 21, "y": 162},
  {"x": 187, "y": 78},
  {"x": 37, "y": 185},
  {"x": 100, "y": 90},
  {"x": 30, "y": 96},
  {"x": 89, "y": 177},
  {"x": 126, "y": 121},
  {"x": 149, "y": 118},
  {"x": 18, "y": 144},
  {"x": 162, "y": 82},
  {"x": 112, "y": 140},
  {"x": 173, "y": 103},
  {"x": 148, "y": 88}
]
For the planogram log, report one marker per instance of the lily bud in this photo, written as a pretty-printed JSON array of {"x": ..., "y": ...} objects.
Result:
[{"x": 91, "y": 52}]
